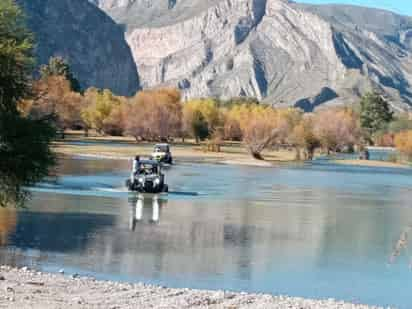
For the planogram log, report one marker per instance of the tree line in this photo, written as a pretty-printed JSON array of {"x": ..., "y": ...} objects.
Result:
[{"x": 160, "y": 115}]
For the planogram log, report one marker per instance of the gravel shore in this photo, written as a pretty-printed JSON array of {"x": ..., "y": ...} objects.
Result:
[{"x": 24, "y": 288}]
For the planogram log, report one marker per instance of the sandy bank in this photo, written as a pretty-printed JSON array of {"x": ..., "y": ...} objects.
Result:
[
  {"x": 22, "y": 288},
  {"x": 231, "y": 154}
]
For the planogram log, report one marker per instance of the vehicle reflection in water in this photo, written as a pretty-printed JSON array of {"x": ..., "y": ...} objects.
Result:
[
  {"x": 316, "y": 231},
  {"x": 145, "y": 208}
]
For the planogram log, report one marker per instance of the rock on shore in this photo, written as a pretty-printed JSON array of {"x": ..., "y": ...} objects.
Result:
[{"x": 24, "y": 288}]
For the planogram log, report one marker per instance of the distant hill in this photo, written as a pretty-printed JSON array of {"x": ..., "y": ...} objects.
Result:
[{"x": 90, "y": 40}]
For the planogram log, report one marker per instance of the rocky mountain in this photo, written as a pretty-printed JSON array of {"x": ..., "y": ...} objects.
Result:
[
  {"x": 91, "y": 41},
  {"x": 375, "y": 44},
  {"x": 276, "y": 50}
]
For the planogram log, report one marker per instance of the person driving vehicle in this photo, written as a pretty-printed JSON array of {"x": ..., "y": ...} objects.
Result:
[{"x": 136, "y": 161}]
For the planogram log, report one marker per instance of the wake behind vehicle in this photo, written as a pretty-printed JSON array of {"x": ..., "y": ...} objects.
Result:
[
  {"x": 162, "y": 153},
  {"x": 148, "y": 178}
]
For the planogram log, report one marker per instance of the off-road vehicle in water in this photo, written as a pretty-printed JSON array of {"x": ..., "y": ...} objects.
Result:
[
  {"x": 148, "y": 178},
  {"x": 162, "y": 153}
]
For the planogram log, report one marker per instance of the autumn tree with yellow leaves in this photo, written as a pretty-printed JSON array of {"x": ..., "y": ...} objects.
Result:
[
  {"x": 200, "y": 118},
  {"x": 154, "y": 115},
  {"x": 403, "y": 142}
]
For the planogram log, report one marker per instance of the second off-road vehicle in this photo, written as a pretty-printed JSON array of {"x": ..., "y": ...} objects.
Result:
[{"x": 162, "y": 153}]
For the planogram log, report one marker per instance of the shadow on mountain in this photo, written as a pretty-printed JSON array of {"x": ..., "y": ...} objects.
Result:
[{"x": 309, "y": 104}]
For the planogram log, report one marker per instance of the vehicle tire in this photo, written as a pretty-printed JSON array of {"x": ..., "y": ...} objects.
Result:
[{"x": 129, "y": 184}]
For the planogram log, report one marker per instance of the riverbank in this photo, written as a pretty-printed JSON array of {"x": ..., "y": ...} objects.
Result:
[
  {"x": 371, "y": 163},
  {"x": 23, "y": 288},
  {"x": 126, "y": 148},
  {"x": 233, "y": 153}
]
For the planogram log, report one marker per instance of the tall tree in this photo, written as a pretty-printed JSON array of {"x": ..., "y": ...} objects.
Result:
[
  {"x": 303, "y": 137},
  {"x": 375, "y": 113},
  {"x": 100, "y": 104},
  {"x": 15, "y": 56},
  {"x": 24, "y": 143},
  {"x": 154, "y": 115},
  {"x": 337, "y": 128},
  {"x": 59, "y": 66},
  {"x": 201, "y": 117}
]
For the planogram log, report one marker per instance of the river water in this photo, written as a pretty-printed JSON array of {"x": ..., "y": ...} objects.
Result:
[{"x": 318, "y": 231}]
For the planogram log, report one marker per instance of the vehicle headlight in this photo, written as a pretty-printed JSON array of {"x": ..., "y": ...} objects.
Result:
[
  {"x": 157, "y": 181},
  {"x": 141, "y": 180}
]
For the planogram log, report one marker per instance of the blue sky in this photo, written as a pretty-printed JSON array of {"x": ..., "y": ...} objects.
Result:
[{"x": 399, "y": 6}]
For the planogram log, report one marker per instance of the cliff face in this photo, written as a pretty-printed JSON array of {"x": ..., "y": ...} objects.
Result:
[
  {"x": 375, "y": 45},
  {"x": 282, "y": 52},
  {"x": 89, "y": 39}
]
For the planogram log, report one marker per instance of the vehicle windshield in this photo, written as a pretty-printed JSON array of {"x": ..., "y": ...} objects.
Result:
[
  {"x": 148, "y": 169},
  {"x": 162, "y": 148}
]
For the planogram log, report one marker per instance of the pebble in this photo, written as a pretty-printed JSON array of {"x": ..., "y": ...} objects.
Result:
[{"x": 59, "y": 289}]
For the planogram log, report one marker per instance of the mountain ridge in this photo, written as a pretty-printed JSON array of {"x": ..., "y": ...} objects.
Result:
[
  {"x": 282, "y": 52},
  {"x": 348, "y": 61}
]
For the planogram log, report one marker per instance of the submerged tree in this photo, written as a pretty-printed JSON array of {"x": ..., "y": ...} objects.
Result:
[{"x": 24, "y": 143}]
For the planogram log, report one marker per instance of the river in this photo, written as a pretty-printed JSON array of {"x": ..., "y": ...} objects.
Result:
[{"x": 311, "y": 230}]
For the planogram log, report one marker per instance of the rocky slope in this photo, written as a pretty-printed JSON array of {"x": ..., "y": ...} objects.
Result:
[
  {"x": 374, "y": 43},
  {"x": 90, "y": 40},
  {"x": 276, "y": 50}
]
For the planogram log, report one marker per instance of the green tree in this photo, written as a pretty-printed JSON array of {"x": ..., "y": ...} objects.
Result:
[
  {"x": 24, "y": 143},
  {"x": 15, "y": 56},
  {"x": 25, "y": 155},
  {"x": 375, "y": 113},
  {"x": 199, "y": 126},
  {"x": 198, "y": 113},
  {"x": 239, "y": 101},
  {"x": 400, "y": 123},
  {"x": 59, "y": 66}
]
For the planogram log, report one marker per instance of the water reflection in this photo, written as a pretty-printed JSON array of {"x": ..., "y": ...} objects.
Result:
[
  {"x": 316, "y": 231},
  {"x": 8, "y": 222},
  {"x": 402, "y": 245},
  {"x": 145, "y": 206}
]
